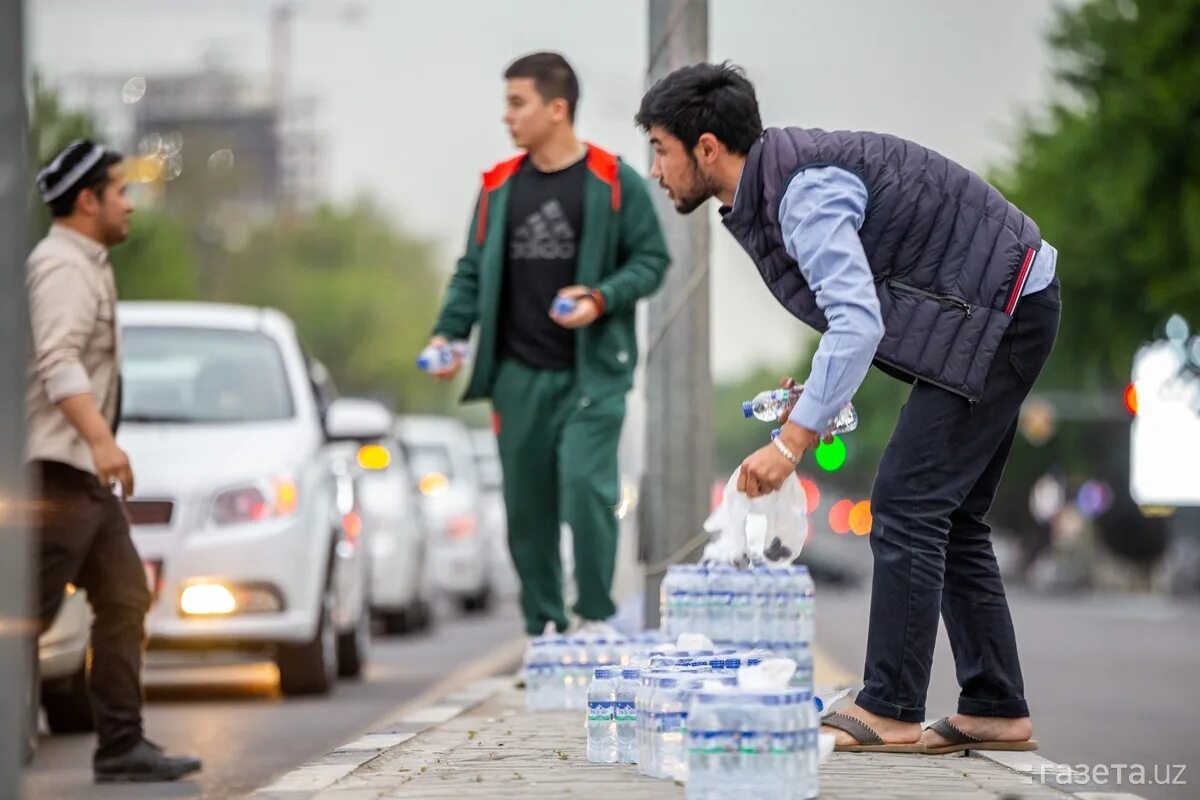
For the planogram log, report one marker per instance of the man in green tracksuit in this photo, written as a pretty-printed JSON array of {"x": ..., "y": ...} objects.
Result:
[{"x": 568, "y": 219}]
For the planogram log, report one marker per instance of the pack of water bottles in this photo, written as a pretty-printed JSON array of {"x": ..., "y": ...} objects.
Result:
[
  {"x": 752, "y": 742},
  {"x": 559, "y": 669},
  {"x": 756, "y": 606},
  {"x": 683, "y": 720}
]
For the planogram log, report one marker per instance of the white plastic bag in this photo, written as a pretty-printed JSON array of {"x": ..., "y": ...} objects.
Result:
[{"x": 770, "y": 528}]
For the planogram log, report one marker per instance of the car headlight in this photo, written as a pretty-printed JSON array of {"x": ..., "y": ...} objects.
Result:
[{"x": 255, "y": 502}]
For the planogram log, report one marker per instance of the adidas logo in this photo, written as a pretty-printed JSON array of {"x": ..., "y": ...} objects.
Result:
[{"x": 545, "y": 235}]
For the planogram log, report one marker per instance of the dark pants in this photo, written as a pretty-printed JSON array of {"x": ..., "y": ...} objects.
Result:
[
  {"x": 84, "y": 539},
  {"x": 931, "y": 546},
  {"x": 559, "y": 454}
]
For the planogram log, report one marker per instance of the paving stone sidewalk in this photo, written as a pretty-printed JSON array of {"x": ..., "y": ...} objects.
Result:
[{"x": 493, "y": 748}]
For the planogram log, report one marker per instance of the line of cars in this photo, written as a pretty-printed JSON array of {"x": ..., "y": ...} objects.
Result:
[{"x": 276, "y": 519}]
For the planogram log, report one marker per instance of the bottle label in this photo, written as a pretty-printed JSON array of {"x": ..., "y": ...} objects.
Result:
[
  {"x": 625, "y": 712},
  {"x": 670, "y": 721},
  {"x": 720, "y": 598},
  {"x": 599, "y": 710}
]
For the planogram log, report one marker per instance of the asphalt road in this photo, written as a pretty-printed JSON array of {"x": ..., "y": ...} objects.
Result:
[
  {"x": 1109, "y": 679},
  {"x": 234, "y": 718}
]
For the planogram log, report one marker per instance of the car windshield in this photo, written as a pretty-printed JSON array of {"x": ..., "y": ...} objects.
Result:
[
  {"x": 202, "y": 375},
  {"x": 427, "y": 458}
]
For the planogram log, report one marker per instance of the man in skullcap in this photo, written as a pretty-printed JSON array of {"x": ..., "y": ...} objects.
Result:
[{"x": 73, "y": 403}]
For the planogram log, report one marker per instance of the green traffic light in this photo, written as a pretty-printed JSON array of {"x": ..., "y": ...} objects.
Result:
[{"x": 830, "y": 457}]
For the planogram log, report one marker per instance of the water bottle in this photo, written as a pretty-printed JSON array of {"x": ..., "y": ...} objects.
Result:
[
  {"x": 785, "y": 619},
  {"x": 805, "y": 603},
  {"x": 694, "y": 613},
  {"x": 672, "y": 601},
  {"x": 741, "y": 605},
  {"x": 720, "y": 603},
  {"x": 601, "y": 717},
  {"x": 577, "y": 673},
  {"x": 763, "y": 599},
  {"x": 537, "y": 670},
  {"x": 439, "y": 357},
  {"x": 752, "y": 746},
  {"x": 801, "y": 653},
  {"x": 625, "y": 715},
  {"x": 778, "y": 729},
  {"x": 642, "y": 722},
  {"x": 769, "y": 406},
  {"x": 808, "y": 755},
  {"x": 552, "y": 696},
  {"x": 563, "y": 305},
  {"x": 669, "y": 715}
]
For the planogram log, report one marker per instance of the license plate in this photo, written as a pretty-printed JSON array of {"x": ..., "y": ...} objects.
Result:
[{"x": 153, "y": 573}]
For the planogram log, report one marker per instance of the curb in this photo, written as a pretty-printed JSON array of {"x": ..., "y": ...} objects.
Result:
[
  {"x": 1042, "y": 771},
  {"x": 460, "y": 692},
  {"x": 316, "y": 776}
]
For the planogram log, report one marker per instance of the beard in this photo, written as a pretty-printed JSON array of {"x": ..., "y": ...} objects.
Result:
[{"x": 702, "y": 187}]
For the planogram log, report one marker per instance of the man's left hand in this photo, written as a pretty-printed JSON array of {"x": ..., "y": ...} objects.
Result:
[
  {"x": 585, "y": 311},
  {"x": 766, "y": 469}
]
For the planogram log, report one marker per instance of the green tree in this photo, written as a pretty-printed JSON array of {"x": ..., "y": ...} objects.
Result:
[
  {"x": 1112, "y": 175},
  {"x": 362, "y": 294},
  {"x": 155, "y": 262}
]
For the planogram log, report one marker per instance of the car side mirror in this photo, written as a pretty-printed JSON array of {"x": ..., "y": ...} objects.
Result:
[{"x": 351, "y": 419}]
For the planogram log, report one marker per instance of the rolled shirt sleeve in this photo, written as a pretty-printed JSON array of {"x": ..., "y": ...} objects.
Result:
[
  {"x": 820, "y": 215},
  {"x": 62, "y": 315}
]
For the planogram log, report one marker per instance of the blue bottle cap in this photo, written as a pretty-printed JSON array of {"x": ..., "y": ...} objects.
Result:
[
  {"x": 602, "y": 673},
  {"x": 423, "y": 362},
  {"x": 631, "y": 673},
  {"x": 748, "y": 409}
]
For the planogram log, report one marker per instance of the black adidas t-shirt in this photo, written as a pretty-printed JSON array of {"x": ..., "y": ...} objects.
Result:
[{"x": 545, "y": 218}]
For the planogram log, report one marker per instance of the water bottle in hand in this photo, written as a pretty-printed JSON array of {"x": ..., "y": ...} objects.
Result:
[
  {"x": 436, "y": 358},
  {"x": 769, "y": 406},
  {"x": 563, "y": 305}
]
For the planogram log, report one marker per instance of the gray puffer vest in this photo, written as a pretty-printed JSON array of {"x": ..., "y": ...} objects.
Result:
[{"x": 949, "y": 253}]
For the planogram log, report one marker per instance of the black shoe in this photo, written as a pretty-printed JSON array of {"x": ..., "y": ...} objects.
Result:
[{"x": 145, "y": 763}]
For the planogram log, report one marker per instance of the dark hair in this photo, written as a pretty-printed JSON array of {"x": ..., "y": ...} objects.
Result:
[
  {"x": 95, "y": 179},
  {"x": 704, "y": 98},
  {"x": 552, "y": 76}
]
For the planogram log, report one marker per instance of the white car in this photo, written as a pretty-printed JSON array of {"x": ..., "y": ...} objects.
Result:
[
  {"x": 493, "y": 516},
  {"x": 399, "y": 540},
  {"x": 439, "y": 450},
  {"x": 62, "y": 666},
  {"x": 245, "y": 511}
]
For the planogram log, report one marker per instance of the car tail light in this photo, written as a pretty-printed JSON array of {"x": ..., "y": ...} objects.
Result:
[
  {"x": 255, "y": 503},
  {"x": 464, "y": 526},
  {"x": 352, "y": 524}
]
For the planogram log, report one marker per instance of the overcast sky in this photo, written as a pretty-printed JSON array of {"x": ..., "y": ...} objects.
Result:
[{"x": 411, "y": 94}]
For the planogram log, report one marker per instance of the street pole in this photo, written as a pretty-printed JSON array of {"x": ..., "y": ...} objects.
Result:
[
  {"x": 679, "y": 444},
  {"x": 15, "y": 567}
]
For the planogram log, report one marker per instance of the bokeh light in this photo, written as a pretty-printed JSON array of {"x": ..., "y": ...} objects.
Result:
[
  {"x": 860, "y": 518},
  {"x": 812, "y": 494},
  {"x": 830, "y": 457},
  {"x": 839, "y": 516}
]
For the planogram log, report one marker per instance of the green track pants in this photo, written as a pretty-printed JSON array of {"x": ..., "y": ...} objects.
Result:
[{"x": 558, "y": 450}]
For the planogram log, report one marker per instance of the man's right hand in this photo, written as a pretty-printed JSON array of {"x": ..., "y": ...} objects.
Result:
[
  {"x": 112, "y": 465},
  {"x": 455, "y": 363}
]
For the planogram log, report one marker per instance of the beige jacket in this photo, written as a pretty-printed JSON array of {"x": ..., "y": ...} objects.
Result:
[{"x": 76, "y": 346}]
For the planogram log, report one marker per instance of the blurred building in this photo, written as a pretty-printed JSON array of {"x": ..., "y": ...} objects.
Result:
[{"x": 213, "y": 147}]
